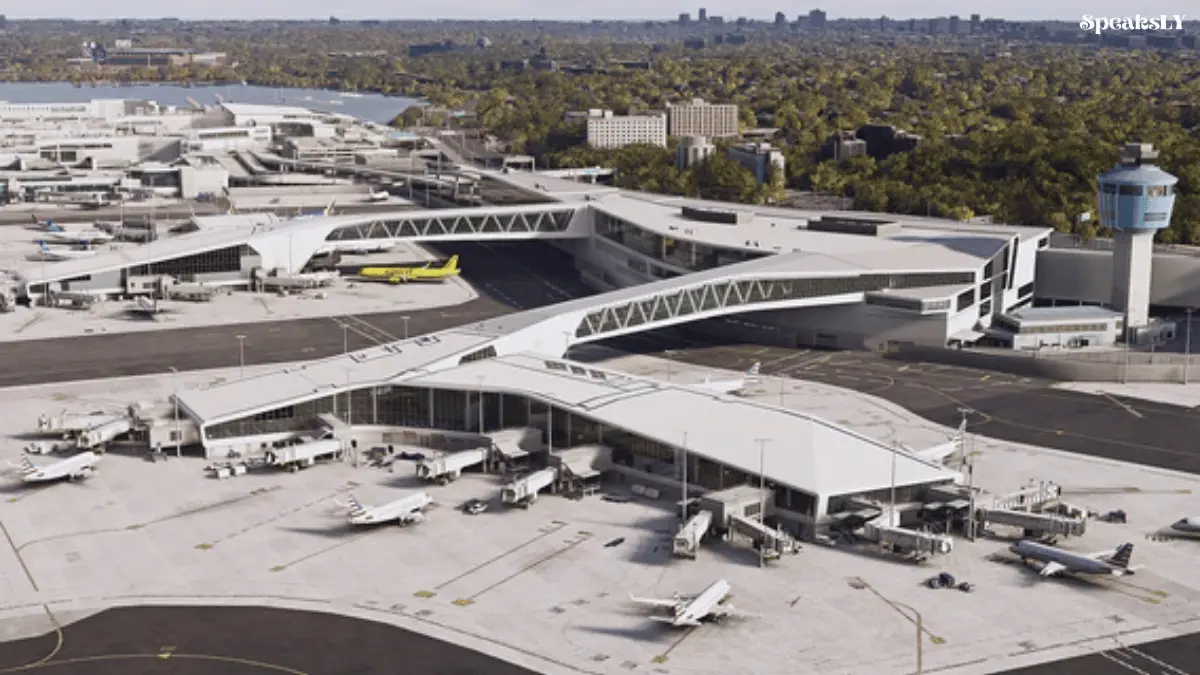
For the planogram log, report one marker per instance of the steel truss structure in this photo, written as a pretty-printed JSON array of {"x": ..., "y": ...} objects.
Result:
[{"x": 550, "y": 221}]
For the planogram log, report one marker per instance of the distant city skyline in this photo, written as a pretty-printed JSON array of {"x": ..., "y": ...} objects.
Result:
[{"x": 555, "y": 10}]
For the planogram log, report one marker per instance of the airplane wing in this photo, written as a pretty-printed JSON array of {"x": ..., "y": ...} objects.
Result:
[
  {"x": 724, "y": 611},
  {"x": 1052, "y": 568},
  {"x": 656, "y": 602}
]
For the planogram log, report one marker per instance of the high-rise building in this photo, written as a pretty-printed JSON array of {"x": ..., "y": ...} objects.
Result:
[
  {"x": 955, "y": 24},
  {"x": 976, "y": 22},
  {"x": 703, "y": 16},
  {"x": 699, "y": 118},
  {"x": 684, "y": 18},
  {"x": 1136, "y": 199},
  {"x": 780, "y": 19},
  {"x": 816, "y": 19},
  {"x": 617, "y": 131}
]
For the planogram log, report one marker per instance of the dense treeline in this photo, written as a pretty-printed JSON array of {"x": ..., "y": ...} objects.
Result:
[{"x": 1020, "y": 135}]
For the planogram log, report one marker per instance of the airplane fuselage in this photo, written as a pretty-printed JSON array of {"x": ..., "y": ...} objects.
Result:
[
  {"x": 1073, "y": 562},
  {"x": 71, "y": 468},
  {"x": 402, "y": 511},
  {"x": 702, "y": 606}
]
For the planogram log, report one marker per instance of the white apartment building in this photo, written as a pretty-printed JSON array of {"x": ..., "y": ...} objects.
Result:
[
  {"x": 613, "y": 131},
  {"x": 699, "y": 118}
]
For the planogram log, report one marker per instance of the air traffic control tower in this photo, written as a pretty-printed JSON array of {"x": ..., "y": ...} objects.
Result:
[{"x": 1136, "y": 199}]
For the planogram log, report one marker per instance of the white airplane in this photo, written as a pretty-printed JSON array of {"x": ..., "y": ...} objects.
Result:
[
  {"x": 1056, "y": 561},
  {"x": 76, "y": 467},
  {"x": 47, "y": 254},
  {"x": 683, "y": 611},
  {"x": 407, "y": 509},
  {"x": 380, "y": 246},
  {"x": 729, "y": 386},
  {"x": 1184, "y": 528},
  {"x": 58, "y": 235}
]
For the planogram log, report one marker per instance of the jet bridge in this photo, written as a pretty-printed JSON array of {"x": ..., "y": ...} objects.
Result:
[
  {"x": 774, "y": 542},
  {"x": 1034, "y": 524},
  {"x": 524, "y": 491},
  {"x": 687, "y": 541},
  {"x": 904, "y": 541}
]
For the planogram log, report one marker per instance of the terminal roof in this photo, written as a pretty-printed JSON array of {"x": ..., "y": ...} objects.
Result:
[{"x": 804, "y": 452}]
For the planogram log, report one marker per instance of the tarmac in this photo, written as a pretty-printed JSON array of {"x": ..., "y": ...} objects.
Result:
[
  {"x": 1001, "y": 406},
  {"x": 241, "y": 641},
  {"x": 1173, "y": 656},
  {"x": 142, "y": 533}
]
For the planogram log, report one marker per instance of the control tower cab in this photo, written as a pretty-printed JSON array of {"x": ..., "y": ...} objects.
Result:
[{"x": 1136, "y": 199}]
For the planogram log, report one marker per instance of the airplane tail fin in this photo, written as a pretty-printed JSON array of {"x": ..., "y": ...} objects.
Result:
[
  {"x": 754, "y": 369},
  {"x": 27, "y": 465},
  {"x": 1123, "y": 555},
  {"x": 451, "y": 264}
]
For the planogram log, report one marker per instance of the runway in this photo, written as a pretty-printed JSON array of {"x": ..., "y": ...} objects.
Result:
[
  {"x": 239, "y": 641},
  {"x": 1173, "y": 656}
]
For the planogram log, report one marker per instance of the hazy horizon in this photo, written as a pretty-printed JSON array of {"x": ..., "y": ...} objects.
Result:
[{"x": 549, "y": 10}]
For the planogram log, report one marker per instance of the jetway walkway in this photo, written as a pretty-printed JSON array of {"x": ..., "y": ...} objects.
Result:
[{"x": 545, "y": 221}]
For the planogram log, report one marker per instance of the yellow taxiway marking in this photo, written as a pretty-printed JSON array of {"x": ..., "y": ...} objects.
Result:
[
  {"x": 424, "y": 594},
  {"x": 165, "y": 652},
  {"x": 464, "y": 602},
  {"x": 203, "y": 547},
  {"x": 985, "y": 378},
  {"x": 662, "y": 658}
]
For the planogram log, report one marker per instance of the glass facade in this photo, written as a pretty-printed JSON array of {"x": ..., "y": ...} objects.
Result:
[
  {"x": 682, "y": 254},
  {"x": 459, "y": 411},
  {"x": 208, "y": 262},
  {"x": 550, "y": 220}
]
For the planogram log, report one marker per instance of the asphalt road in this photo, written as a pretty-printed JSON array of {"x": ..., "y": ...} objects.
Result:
[
  {"x": 1173, "y": 656},
  {"x": 1001, "y": 406},
  {"x": 241, "y": 641},
  {"x": 509, "y": 277}
]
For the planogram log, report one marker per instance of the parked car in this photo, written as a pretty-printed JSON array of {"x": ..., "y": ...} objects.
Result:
[{"x": 475, "y": 507}]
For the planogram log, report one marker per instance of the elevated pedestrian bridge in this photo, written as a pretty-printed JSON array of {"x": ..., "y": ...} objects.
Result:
[
  {"x": 534, "y": 221},
  {"x": 785, "y": 281}
]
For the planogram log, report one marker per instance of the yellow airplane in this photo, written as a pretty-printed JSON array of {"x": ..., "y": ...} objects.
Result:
[{"x": 396, "y": 275}]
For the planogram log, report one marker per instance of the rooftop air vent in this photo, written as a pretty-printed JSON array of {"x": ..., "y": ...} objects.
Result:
[
  {"x": 718, "y": 216},
  {"x": 860, "y": 226}
]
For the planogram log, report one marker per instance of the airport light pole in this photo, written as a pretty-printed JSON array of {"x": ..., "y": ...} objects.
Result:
[
  {"x": 175, "y": 401},
  {"x": 762, "y": 492},
  {"x": 683, "y": 502},
  {"x": 241, "y": 356},
  {"x": 970, "y": 462},
  {"x": 345, "y": 339},
  {"x": 1187, "y": 346},
  {"x": 405, "y": 320}
]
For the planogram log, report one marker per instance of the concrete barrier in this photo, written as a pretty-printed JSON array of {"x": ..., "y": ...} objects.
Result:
[{"x": 1112, "y": 366}]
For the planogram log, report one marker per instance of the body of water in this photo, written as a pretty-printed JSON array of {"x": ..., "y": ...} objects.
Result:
[{"x": 367, "y": 106}]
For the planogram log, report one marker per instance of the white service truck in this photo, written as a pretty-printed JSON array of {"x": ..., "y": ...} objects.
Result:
[
  {"x": 303, "y": 455},
  {"x": 444, "y": 468}
]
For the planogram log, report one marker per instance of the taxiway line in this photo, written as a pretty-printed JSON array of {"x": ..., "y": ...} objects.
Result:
[
  {"x": 156, "y": 521},
  {"x": 17, "y": 552},
  {"x": 345, "y": 542},
  {"x": 527, "y": 568},
  {"x": 267, "y": 521},
  {"x": 1125, "y": 406},
  {"x": 58, "y": 645},
  {"x": 232, "y": 660},
  {"x": 662, "y": 658},
  {"x": 496, "y": 558}
]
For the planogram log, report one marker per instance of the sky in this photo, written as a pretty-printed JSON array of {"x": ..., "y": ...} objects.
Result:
[{"x": 581, "y": 10}]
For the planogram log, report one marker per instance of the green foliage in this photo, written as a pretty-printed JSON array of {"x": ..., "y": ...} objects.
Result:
[{"x": 1016, "y": 133}]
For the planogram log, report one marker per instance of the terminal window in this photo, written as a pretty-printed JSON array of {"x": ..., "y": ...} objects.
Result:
[
  {"x": 1158, "y": 190},
  {"x": 1130, "y": 190}
]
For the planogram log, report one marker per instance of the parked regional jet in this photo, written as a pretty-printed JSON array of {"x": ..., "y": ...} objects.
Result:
[
  {"x": 730, "y": 386},
  {"x": 57, "y": 235},
  {"x": 691, "y": 610},
  {"x": 426, "y": 272},
  {"x": 1056, "y": 561},
  {"x": 361, "y": 246},
  {"x": 407, "y": 509},
  {"x": 76, "y": 467},
  {"x": 47, "y": 254}
]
